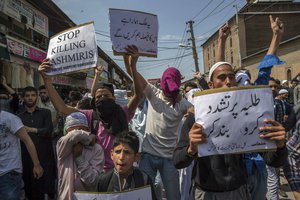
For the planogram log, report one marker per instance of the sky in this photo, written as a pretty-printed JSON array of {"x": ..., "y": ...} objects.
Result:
[{"x": 208, "y": 16}]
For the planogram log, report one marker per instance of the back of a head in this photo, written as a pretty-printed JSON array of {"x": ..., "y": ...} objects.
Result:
[
  {"x": 85, "y": 103},
  {"x": 129, "y": 138},
  {"x": 190, "y": 84}
]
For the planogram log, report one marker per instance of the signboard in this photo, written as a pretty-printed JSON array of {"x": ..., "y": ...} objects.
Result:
[
  {"x": 27, "y": 14},
  {"x": 21, "y": 49},
  {"x": 129, "y": 27},
  {"x": 65, "y": 80},
  {"x": 73, "y": 49},
  {"x": 134, "y": 194},
  {"x": 231, "y": 119}
]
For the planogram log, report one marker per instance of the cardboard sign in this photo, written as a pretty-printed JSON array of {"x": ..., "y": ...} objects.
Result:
[
  {"x": 73, "y": 49},
  {"x": 231, "y": 119},
  {"x": 129, "y": 27},
  {"x": 143, "y": 193}
]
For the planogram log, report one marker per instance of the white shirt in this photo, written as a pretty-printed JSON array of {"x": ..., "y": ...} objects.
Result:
[
  {"x": 10, "y": 149},
  {"x": 162, "y": 122}
]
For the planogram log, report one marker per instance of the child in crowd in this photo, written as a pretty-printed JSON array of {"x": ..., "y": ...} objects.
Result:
[
  {"x": 80, "y": 158},
  {"x": 124, "y": 176}
]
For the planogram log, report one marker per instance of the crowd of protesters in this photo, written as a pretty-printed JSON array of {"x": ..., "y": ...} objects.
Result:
[{"x": 107, "y": 141}]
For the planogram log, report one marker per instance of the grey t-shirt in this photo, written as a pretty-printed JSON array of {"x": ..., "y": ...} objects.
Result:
[{"x": 162, "y": 122}]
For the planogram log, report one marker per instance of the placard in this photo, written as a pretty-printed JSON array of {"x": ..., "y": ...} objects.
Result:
[
  {"x": 143, "y": 193},
  {"x": 128, "y": 27},
  {"x": 73, "y": 49},
  {"x": 231, "y": 119}
]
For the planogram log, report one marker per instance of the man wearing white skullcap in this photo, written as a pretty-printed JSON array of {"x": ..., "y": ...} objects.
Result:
[{"x": 230, "y": 184}]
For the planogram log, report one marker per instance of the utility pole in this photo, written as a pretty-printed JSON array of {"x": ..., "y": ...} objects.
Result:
[{"x": 195, "y": 55}]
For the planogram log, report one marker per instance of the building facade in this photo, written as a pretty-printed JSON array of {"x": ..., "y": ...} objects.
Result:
[
  {"x": 25, "y": 30},
  {"x": 251, "y": 35}
]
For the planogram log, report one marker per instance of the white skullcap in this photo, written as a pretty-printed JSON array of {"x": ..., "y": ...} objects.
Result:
[
  {"x": 283, "y": 91},
  {"x": 284, "y": 81},
  {"x": 214, "y": 67}
]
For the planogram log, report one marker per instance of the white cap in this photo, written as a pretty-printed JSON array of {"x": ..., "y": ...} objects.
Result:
[
  {"x": 283, "y": 91},
  {"x": 214, "y": 67},
  {"x": 283, "y": 81}
]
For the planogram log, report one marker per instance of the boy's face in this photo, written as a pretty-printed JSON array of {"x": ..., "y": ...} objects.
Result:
[{"x": 123, "y": 157}]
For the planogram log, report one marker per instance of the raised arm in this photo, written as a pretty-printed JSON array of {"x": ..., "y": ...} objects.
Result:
[
  {"x": 139, "y": 82},
  {"x": 98, "y": 72},
  {"x": 270, "y": 58},
  {"x": 223, "y": 34},
  {"x": 57, "y": 101},
  {"x": 9, "y": 89},
  {"x": 278, "y": 29},
  {"x": 14, "y": 103}
]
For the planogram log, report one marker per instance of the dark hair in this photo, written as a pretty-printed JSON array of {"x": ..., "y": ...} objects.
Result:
[
  {"x": 107, "y": 86},
  {"x": 190, "y": 84},
  {"x": 129, "y": 138},
  {"x": 75, "y": 96},
  {"x": 85, "y": 103},
  {"x": 272, "y": 79},
  {"x": 294, "y": 80},
  {"x": 42, "y": 87},
  {"x": 277, "y": 81},
  {"x": 29, "y": 89}
]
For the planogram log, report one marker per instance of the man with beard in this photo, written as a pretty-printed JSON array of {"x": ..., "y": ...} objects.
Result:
[
  {"x": 108, "y": 119},
  {"x": 38, "y": 124},
  {"x": 46, "y": 103}
]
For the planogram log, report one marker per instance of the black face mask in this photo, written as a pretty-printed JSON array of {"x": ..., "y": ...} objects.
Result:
[{"x": 105, "y": 107}]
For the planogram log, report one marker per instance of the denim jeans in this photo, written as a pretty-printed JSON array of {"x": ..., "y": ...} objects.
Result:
[
  {"x": 169, "y": 174},
  {"x": 10, "y": 186},
  {"x": 257, "y": 183}
]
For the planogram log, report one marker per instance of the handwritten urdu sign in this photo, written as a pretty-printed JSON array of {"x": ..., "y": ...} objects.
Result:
[
  {"x": 143, "y": 193},
  {"x": 231, "y": 119},
  {"x": 129, "y": 27},
  {"x": 73, "y": 49}
]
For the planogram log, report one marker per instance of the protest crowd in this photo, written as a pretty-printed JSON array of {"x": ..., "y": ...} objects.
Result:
[{"x": 55, "y": 144}]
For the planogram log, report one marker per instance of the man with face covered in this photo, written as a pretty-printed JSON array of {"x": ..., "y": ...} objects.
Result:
[
  {"x": 38, "y": 124},
  {"x": 112, "y": 119},
  {"x": 165, "y": 110}
]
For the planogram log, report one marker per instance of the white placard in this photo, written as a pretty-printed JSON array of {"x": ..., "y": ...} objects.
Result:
[
  {"x": 129, "y": 27},
  {"x": 231, "y": 119},
  {"x": 136, "y": 194},
  {"x": 73, "y": 49}
]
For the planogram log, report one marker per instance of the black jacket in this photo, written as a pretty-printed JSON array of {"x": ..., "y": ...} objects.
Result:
[{"x": 217, "y": 173}]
